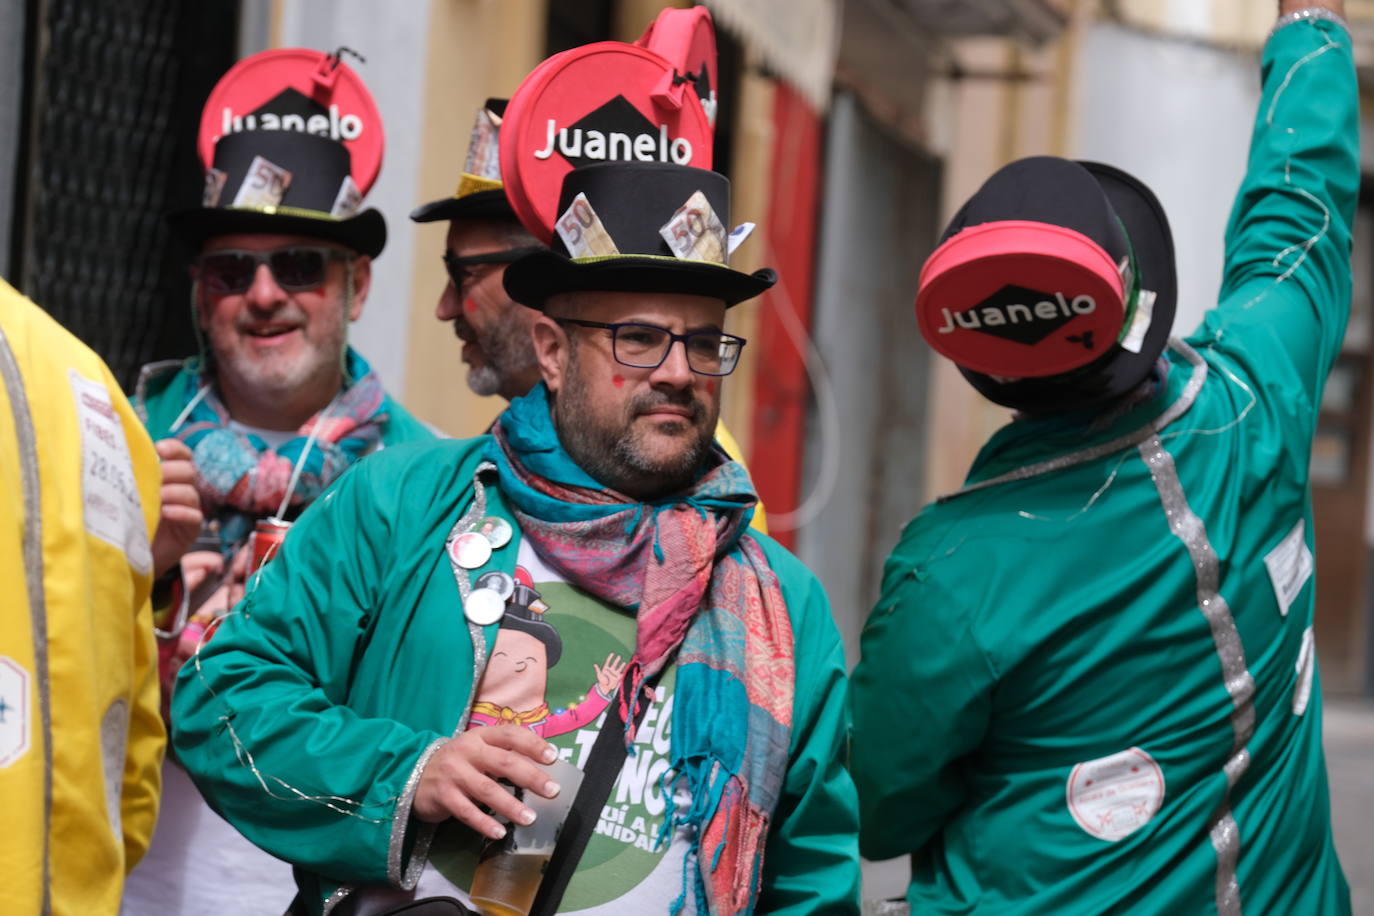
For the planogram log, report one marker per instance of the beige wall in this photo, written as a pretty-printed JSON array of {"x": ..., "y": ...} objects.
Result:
[
  {"x": 478, "y": 49},
  {"x": 750, "y": 198},
  {"x": 632, "y": 17},
  {"x": 1243, "y": 23},
  {"x": 987, "y": 123}
]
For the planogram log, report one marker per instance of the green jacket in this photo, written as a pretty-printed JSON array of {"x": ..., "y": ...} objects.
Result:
[
  {"x": 351, "y": 658},
  {"x": 1081, "y": 691},
  {"x": 159, "y": 405}
]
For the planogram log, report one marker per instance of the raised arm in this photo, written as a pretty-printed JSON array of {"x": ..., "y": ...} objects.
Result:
[{"x": 1286, "y": 283}]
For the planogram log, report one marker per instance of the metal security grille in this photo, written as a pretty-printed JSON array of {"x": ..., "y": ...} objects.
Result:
[{"x": 113, "y": 100}]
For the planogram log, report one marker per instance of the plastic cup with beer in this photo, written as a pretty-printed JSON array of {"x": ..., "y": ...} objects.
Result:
[{"x": 510, "y": 869}]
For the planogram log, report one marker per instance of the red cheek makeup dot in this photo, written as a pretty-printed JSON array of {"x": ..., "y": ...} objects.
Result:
[
  {"x": 617, "y": 380},
  {"x": 710, "y": 387},
  {"x": 469, "y": 305}
]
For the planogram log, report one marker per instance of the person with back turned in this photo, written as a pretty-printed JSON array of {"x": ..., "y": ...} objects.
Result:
[{"x": 1089, "y": 685}]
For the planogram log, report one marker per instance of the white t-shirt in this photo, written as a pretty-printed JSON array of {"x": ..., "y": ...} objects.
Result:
[
  {"x": 199, "y": 864},
  {"x": 275, "y": 438},
  {"x": 622, "y": 869}
]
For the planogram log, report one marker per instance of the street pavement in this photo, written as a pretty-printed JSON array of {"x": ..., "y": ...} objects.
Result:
[{"x": 1348, "y": 732}]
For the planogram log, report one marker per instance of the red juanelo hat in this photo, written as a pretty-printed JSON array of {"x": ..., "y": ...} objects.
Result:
[{"x": 291, "y": 142}]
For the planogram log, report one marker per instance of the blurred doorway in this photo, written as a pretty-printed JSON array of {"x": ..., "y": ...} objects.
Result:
[{"x": 1340, "y": 485}]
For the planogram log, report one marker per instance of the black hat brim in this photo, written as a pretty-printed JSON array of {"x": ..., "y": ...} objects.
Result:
[
  {"x": 1118, "y": 370},
  {"x": 364, "y": 233},
  {"x": 490, "y": 204},
  {"x": 535, "y": 277},
  {"x": 1152, "y": 242}
]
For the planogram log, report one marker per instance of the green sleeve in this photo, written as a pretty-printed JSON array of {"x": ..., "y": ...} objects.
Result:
[
  {"x": 259, "y": 720},
  {"x": 811, "y": 862},
  {"x": 403, "y": 426},
  {"x": 1285, "y": 293},
  {"x": 921, "y": 698}
]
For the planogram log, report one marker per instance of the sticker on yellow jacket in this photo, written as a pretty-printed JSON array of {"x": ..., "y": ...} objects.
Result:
[{"x": 112, "y": 508}]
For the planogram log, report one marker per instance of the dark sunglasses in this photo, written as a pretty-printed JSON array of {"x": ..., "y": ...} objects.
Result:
[
  {"x": 457, "y": 267},
  {"x": 297, "y": 268}
]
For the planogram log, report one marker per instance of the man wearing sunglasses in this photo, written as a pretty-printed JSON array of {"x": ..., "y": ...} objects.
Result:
[
  {"x": 362, "y": 671},
  {"x": 273, "y": 409}
]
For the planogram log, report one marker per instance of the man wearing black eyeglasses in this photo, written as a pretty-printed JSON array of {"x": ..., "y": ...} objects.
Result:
[
  {"x": 484, "y": 236},
  {"x": 394, "y": 668},
  {"x": 273, "y": 409}
]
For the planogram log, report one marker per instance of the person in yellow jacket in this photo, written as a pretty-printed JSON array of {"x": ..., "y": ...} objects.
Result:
[{"x": 81, "y": 740}]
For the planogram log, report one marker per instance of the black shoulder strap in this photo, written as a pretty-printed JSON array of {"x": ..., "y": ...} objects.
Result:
[{"x": 598, "y": 776}]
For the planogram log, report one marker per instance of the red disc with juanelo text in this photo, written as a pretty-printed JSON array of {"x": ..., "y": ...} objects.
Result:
[
  {"x": 687, "y": 40},
  {"x": 592, "y": 104},
  {"x": 1019, "y": 299},
  {"x": 333, "y": 103}
]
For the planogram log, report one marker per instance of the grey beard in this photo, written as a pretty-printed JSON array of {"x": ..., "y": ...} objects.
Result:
[
  {"x": 509, "y": 352},
  {"x": 484, "y": 380}
]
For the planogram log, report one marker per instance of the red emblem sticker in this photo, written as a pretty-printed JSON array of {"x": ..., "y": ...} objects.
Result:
[
  {"x": 687, "y": 40},
  {"x": 1018, "y": 299},
  {"x": 297, "y": 89},
  {"x": 587, "y": 105}
]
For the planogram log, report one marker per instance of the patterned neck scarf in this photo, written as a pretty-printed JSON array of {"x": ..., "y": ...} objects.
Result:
[
  {"x": 700, "y": 587},
  {"x": 241, "y": 479}
]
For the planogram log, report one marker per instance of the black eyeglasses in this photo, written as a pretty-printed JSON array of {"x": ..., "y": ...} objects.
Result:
[
  {"x": 646, "y": 346},
  {"x": 296, "y": 268},
  {"x": 457, "y": 267}
]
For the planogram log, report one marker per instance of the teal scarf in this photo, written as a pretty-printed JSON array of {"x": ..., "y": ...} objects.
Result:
[
  {"x": 241, "y": 480},
  {"x": 701, "y": 587}
]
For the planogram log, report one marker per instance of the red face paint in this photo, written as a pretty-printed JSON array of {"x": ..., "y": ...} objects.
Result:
[
  {"x": 710, "y": 386},
  {"x": 469, "y": 305},
  {"x": 617, "y": 380}
]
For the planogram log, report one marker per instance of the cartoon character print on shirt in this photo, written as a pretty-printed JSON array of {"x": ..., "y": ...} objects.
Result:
[
  {"x": 555, "y": 664},
  {"x": 515, "y": 684}
]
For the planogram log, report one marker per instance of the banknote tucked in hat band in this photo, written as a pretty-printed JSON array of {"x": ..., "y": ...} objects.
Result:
[{"x": 638, "y": 227}]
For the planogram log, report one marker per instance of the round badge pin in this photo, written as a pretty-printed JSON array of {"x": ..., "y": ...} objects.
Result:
[
  {"x": 470, "y": 550},
  {"x": 484, "y": 607},
  {"x": 496, "y": 530},
  {"x": 498, "y": 582}
]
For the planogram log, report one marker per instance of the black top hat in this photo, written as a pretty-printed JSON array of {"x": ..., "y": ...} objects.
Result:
[
  {"x": 479, "y": 196},
  {"x": 244, "y": 193},
  {"x": 520, "y": 615},
  {"x": 634, "y": 203},
  {"x": 1126, "y": 220}
]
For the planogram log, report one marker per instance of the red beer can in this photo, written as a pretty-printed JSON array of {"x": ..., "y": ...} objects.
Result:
[{"x": 267, "y": 537}]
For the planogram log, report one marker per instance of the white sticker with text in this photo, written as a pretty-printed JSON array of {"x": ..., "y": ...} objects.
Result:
[
  {"x": 1112, "y": 797},
  {"x": 1290, "y": 566},
  {"x": 1307, "y": 664},
  {"x": 112, "y": 507}
]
